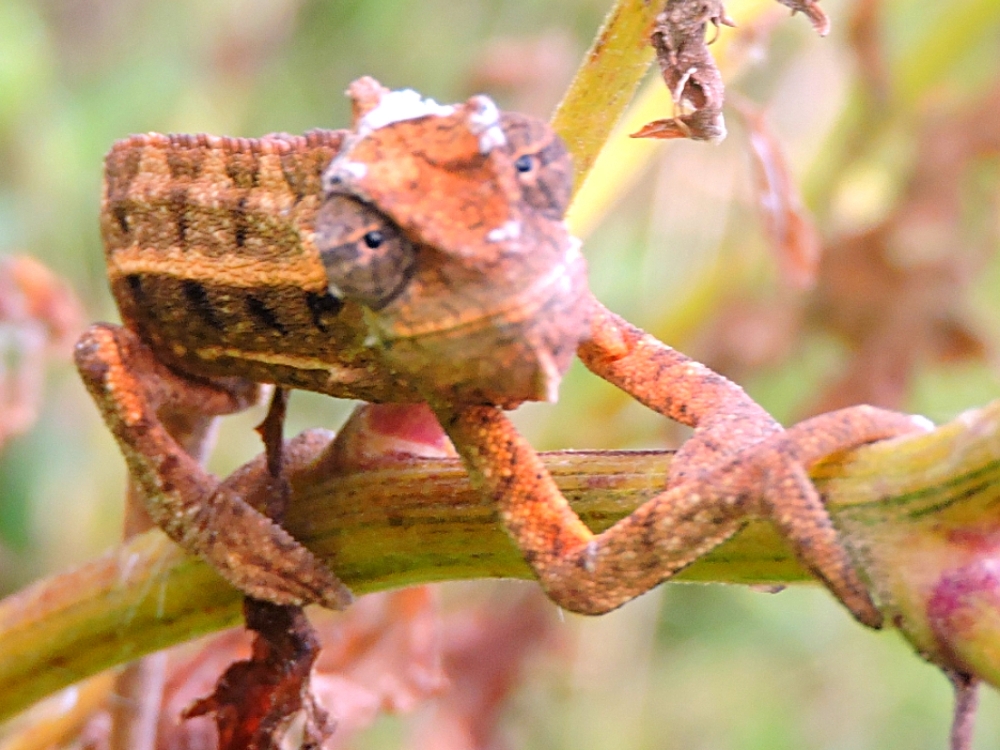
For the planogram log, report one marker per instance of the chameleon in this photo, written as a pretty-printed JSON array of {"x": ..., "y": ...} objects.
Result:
[{"x": 420, "y": 256}]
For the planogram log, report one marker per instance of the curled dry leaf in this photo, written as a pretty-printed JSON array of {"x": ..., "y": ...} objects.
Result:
[
  {"x": 689, "y": 71},
  {"x": 390, "y": 653},
  {"x": 384, "y": 656},
  {"x": 275, "y": 488},
  {"x": 255, "y": 700},
  {"x": 789, "y": 227},
  {"x": 193, "y": 673}
]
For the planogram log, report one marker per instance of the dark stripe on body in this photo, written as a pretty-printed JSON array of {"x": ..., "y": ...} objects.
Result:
[
  {"x": 197, "y": 297},
  {"x": 321, "y": 305},
  {"x": 262, "y": 314}
]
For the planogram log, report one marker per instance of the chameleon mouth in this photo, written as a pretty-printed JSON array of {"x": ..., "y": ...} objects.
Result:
[
  {"x": 516, "y": 349},
  {"x": 561, "y": 282}
]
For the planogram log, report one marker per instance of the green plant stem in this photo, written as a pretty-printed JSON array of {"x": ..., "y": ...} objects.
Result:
[
  {"x": 605, "y": 82},
  {"x": 420, "y": 521}
]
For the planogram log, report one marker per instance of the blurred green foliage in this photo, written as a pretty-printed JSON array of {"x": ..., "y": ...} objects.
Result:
[{"x": 688, "y": 667}]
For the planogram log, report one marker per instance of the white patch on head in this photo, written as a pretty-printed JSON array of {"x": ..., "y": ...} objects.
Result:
[
  {"x": 509, "y": 230},
  {"x": 484, "y": 121},
  {"x": 394, "y": 106},
  {"x": 922, "y": 422},
  {"x": 397, "y": 106},
  {"x": 343, "y": 170},
  {"x": 354, "y": 169}
]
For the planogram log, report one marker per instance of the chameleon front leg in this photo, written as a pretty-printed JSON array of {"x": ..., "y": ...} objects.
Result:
[
  {"x": 739, "y": 464},
  {"x": 727, "y": 422},
  {"x": 206, "y": 518},
  {"x": 725, "y": 418},
  {"x": 595, "y": 573}
]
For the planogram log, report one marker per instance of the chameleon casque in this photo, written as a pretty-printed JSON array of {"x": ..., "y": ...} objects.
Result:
[{"x": 420, "y": 256}]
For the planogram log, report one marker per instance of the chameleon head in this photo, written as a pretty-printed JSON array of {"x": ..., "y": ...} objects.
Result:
[{"x": 446, "y": 223}]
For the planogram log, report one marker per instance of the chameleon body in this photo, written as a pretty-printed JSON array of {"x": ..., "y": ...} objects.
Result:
[{"x": 419, "y": 256}]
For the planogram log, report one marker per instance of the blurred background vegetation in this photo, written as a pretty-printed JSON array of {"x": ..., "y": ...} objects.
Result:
[{"x": 890, "y": 128}]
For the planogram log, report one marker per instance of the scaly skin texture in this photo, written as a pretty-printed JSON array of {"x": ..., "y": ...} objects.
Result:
[{"x": 420, "y": 256}]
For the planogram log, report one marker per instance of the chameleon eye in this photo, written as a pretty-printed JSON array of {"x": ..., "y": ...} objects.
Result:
[
  {"x": 543, "y": 167},
  {"x": 374, "y": 238},
  {"x": 366, "y": 258}
]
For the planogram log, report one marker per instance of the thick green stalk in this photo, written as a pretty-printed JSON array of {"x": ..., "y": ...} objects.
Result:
[
  {"x": 605, "y": 82},
  {"x": 420, "y": 521}
]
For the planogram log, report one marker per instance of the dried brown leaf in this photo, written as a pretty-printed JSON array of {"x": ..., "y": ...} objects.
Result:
[
  {"x": 275, "y": 490},
  {"x": 255, "y": 700},
  {"x": 788, "y": 226},
  {"x": 689, "y": 71},
  {"x": 382, "y": 655},
  {"x": 191, "y": 674},
  {"x": 702, "y": 125}
]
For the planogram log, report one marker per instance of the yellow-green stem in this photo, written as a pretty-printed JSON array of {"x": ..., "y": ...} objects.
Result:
[{"x": 420, "y": 521}]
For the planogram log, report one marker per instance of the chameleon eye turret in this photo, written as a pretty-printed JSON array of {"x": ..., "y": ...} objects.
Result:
[
  {"x": 366, "y": 257},
  {"x": 543, "y": 164}
]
